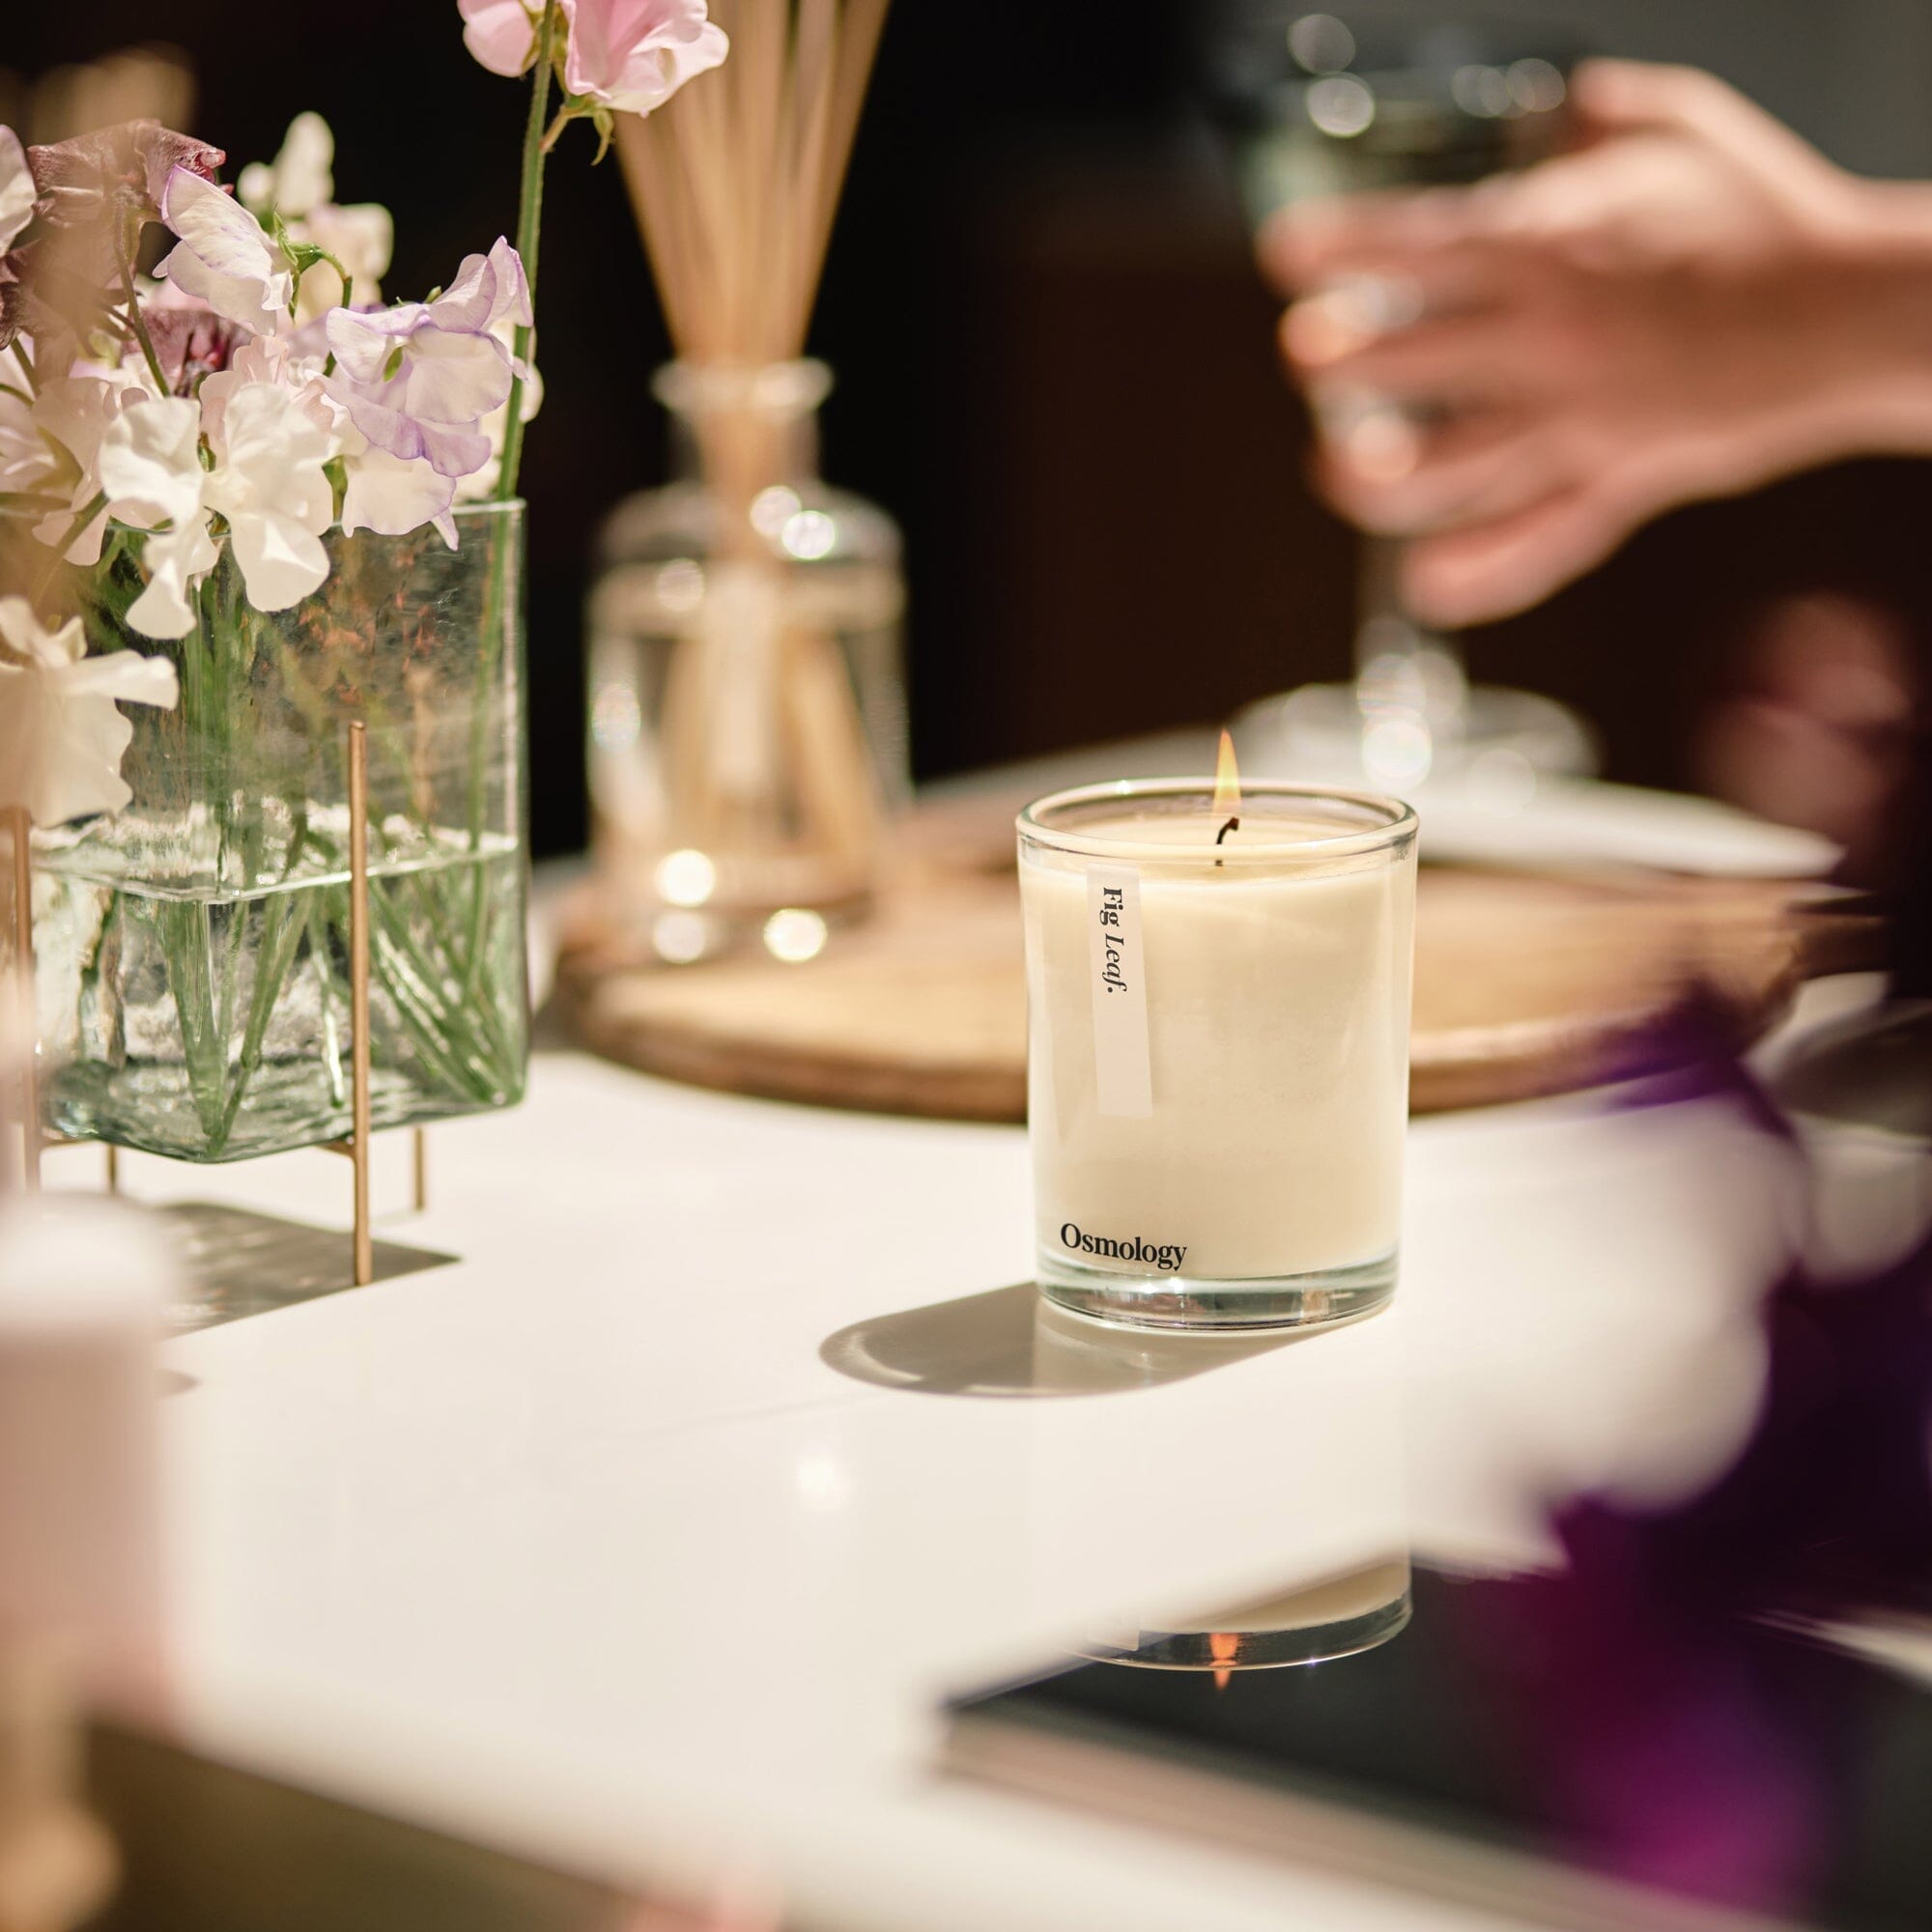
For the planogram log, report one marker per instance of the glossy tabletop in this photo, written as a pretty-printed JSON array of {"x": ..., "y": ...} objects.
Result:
[{"x": 647, "y": 1534}]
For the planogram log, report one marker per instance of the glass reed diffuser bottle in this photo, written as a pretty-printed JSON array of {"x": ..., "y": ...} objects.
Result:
[
  {"x": 747, "y": 729},
  {"x": 748, "y": 721}
]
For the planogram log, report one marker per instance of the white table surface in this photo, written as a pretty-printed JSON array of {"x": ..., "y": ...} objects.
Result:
[{"x": 583, "y": 1547}]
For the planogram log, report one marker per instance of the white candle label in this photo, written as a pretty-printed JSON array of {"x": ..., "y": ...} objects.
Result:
[{"x": 1123, "y": 1083}]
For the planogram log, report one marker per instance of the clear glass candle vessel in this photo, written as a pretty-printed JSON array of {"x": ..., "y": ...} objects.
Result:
[{"x": 1218, "y": 1066}]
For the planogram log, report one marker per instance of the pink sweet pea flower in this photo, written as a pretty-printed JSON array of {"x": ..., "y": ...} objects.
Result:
[
  {"x": 632, "y": 55},
  {"x": 501, "y": 34},
  {"x": 417, "y": 380}
]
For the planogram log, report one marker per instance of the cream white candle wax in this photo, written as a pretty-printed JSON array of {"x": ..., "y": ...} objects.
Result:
[{"x": 1219, "y": 1052}]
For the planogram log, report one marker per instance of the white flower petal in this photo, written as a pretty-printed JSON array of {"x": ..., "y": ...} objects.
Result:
[
  {"x": 272, "y": 489},
  {"x": 274, "y": 453},
  {"x": 62, "y": 732},
  {"x": 176, "y": 560},
  {"x": 127, "y": 676},
  {"x": 26, "y": 636},
  {"x": 151, "y": 463},
  {"x": 237, "y": 299},
  {"x": 303, "y": 178},
  {"x": 225, "y": 259},
  {"x": 281, "y": 561},
  {"x": 362, "y": 344},
  {"x": 455, "y": 378},
  {"x": 391, "y": 496},
  {"x": 255, "y": 187},
  {"x": 219, "y": 229},
  {"x": 18, "y": 193}
]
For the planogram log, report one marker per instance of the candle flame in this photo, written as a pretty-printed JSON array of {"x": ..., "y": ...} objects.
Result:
[
  {"x": 1227, "y": 780},
  {"x": 1224, "y": 1646}
]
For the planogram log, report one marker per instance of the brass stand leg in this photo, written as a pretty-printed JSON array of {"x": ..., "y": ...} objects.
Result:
[
  {"x": 358, "y": 991},
  {"x": 421, "y": 1154},
  {"x": 21, "y": 830},
  {"x": 113, "y": 1168}
]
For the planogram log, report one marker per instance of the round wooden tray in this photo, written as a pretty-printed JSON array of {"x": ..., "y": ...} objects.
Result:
[{"x": 1524, "y": 983}]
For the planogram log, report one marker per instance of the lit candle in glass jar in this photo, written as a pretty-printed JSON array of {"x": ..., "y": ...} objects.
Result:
[{"x": 1218, "y": 1067}]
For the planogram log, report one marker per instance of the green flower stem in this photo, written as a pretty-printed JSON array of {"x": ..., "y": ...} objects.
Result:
[
  {"x": 138, "y": 325},
  {"x": 497, "y": 609},
  {"x": 529, "y": 221},
  {"x": 274, "y": 959},
  {"x": 468, "y": 1030}
]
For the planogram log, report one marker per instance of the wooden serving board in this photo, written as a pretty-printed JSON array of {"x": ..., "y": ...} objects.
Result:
[{"x": 1524, "y": 983}]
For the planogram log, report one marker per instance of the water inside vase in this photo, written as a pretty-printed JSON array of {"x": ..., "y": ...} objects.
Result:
[{"x": 212, "y": 1024}]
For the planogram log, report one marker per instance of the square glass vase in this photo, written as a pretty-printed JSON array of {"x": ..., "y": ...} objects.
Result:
[{"x": 192, "y": 982}]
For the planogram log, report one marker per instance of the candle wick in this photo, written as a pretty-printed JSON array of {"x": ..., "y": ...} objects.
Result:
[{"x": 1232, "y": 825}]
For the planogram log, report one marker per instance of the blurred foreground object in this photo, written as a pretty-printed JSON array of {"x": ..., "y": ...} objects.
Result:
[
  {"x": 57, "y": 1866},
  {"x": 1700, "y": 1703},
  {"x": 1819, "y": 736},
  {"x": 1829, "y": 732},
  {"x": 82, "y": 1285},
  {"x": 748, "y": 736},
  {"x": 141, "y": 83},
  {"x": 1321, "y": 108}
]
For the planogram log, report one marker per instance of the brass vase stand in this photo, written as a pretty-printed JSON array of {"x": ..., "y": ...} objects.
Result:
[{"x": 356, "y": 1146}]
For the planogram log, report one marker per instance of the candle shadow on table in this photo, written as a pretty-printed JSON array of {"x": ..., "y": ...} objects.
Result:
[
  {"x": 239, "y": 1264},
  {"x": 1012, "y": 1342}
]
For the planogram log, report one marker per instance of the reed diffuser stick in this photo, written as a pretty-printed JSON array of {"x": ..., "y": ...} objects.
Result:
[
  {"x": 737, "y": 182},
  {"x": 736, "y": 186}
]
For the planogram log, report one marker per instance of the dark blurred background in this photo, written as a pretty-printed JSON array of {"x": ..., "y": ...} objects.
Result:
[{"x": 1056, "y": 362}]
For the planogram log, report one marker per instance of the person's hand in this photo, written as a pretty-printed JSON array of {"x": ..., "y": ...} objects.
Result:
[{"x": 1519, "y": 374}]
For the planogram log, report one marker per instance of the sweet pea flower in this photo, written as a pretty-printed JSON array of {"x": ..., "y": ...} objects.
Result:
[
  {"x": 393, "y": 495},
  {"x": 632, "y": 55},
  {"x": 150, "y": 469},
  {"x": 389, "y": 494},
  {"x": 190, "y": 342},
  {"x": 298, "y": 178},
  {"x": 480, "y": 485},
  {"x": 62, "y": 732},
  {"x": 281, "y": 360},
  {"x": 418, "y": 379},
  {"x": 224, "y": 257},
  {"x": 501, "y": 34},
  {"x": 72, "y": 414},
  {"x": 269, "y": 434},
  {"x": 360, "y": 237},
  {"x": 269, "y": 483},
  {"x": 297, "y": 186}
]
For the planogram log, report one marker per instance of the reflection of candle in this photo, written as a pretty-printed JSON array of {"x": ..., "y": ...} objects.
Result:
[
  {"x": 1315, "y": 1624},
  {"x": 1219, "y": 1048}
]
